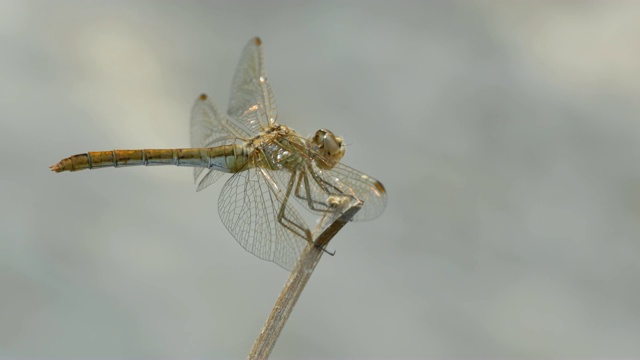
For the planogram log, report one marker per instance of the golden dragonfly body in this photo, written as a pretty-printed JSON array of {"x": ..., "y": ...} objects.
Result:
[{"x": 271, "y": 164}]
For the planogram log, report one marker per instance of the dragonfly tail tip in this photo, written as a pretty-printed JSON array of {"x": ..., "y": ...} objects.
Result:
[{"x": 56, "y": 168}]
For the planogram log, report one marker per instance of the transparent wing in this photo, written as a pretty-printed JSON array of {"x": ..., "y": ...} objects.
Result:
[
  {"x": 362, "y": 186},
  {"x": 252, "y": 102},
  {"x": 209, "y": 128},
  {"x": 209, "y": 178},
  {"x": 249, "y": 205},
  {"x": 314, "y": 186}
]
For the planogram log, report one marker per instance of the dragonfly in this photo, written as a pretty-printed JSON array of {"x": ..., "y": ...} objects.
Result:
[{"x": 270, "y": 162}]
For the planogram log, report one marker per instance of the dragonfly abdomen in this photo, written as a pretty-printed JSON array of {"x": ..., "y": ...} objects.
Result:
[{"x": 227, "y": 158}]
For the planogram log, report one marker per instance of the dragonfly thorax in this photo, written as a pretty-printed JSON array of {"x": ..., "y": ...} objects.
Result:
[{"x": 278, "y": 148}]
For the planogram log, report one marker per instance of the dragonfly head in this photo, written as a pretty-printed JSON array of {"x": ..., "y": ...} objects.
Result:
[{"x": 329, "y": 146}]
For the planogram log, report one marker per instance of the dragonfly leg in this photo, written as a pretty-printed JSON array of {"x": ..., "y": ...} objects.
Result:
[
  {"x": 327, "y": 251},
  {"x": 292, "y": 226},
  {"x": 324, "y": 184},
  {"x": 315, "y": 205},
  {"x": 331, "y": 190}
]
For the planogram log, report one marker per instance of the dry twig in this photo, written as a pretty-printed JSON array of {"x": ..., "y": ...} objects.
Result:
[{"x": 328, "y": 227}]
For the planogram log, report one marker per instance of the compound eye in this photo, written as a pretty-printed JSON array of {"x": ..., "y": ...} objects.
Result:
[
  {"x": 331, "y": 145},
  {"x": 318, "y": 138}
]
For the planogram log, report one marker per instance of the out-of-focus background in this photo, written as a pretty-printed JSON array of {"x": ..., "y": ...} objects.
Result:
[{"x": 506, "y": 133}]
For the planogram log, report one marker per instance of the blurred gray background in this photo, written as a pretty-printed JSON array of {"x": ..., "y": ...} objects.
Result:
[{"x": 506, "y": 133}]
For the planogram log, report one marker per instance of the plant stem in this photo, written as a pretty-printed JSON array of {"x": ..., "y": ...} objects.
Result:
[{"x": 299, "y": 276}]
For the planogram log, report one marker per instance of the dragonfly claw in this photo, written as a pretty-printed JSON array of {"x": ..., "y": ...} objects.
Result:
[{"x": 326, "y": 251}]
